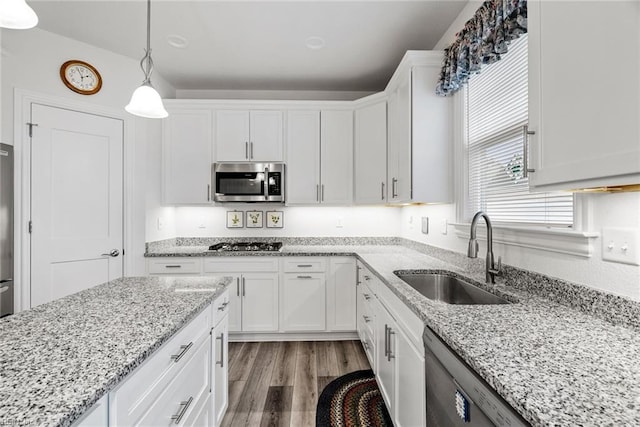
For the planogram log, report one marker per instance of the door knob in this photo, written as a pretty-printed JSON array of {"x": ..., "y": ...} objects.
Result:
[{"x": 113, "y": 253}]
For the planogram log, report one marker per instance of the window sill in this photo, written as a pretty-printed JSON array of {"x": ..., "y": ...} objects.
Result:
[{"x": 569, "y": 242}]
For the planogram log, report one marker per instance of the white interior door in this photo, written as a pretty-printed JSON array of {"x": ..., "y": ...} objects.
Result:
[{"x": 76, "y": 202}]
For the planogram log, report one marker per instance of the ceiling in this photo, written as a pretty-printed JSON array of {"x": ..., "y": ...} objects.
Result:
[{"x": 259, "y": 45}]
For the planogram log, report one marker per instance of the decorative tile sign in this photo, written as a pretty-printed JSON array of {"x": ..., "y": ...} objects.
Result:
[
  {"x": 275, "y": 219},
  {"x": 255, "y": 219},
  {"x": 235, "y": 219}
]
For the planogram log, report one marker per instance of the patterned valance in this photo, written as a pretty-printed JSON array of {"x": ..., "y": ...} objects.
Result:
[{"x": 482, "y": 40}]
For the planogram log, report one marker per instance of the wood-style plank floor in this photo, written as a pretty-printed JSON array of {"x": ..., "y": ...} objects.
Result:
[{"x": 278, "y": 383}]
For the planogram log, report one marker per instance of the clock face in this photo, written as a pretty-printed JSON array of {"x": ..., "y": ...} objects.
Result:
[{"x": 81, "y": 77}]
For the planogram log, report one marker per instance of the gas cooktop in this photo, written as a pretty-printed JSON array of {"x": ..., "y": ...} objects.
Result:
[{"x": 246, "y": 247}]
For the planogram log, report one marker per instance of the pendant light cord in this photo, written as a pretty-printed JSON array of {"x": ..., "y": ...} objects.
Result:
[{"x": 146, "y": 59}]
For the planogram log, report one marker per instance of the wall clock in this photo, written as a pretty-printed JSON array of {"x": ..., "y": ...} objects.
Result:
[{"x": 81, "y": 77}]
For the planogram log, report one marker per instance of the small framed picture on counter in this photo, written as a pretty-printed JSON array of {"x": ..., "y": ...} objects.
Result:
[
  {"x": 255, "y": 219},
  {"x": 235, "y": 219},
  {"x": 275, "y": 219}
]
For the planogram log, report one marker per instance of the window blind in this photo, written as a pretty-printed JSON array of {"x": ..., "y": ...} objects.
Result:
[{"x": 496, "y": 109}]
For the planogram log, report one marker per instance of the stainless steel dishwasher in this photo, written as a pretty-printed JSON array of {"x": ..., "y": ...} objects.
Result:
[{"x": 457, "y": 396}]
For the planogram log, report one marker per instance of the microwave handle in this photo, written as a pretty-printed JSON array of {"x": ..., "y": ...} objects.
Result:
[{"x": 266, "y": 184}]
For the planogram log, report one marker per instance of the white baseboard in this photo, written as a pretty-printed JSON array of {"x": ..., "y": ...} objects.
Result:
[{"x": 292, "y": 336}]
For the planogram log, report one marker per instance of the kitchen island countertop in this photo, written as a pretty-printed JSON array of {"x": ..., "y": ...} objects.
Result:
[
  {"x": 554, "y": 364},
  {"x": 59, "y": 358}
]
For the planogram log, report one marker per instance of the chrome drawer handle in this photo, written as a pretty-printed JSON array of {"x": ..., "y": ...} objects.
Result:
[
  {"x": 305, "y": 265},
  {"x": 390, "y": 355},
  {"x": 221, "y": 361},
  {"x": 367, "y": 278},
  {"x": 366, "y": 296},
  {"x": 183, "y": 350},
  {"x": 172, "y": 266},
  {"x": 223, "y": 306},
  {"x": 185, "y": 405},
  {"x": 305, "y": 277},
  {"x": 367, "y": 319}
]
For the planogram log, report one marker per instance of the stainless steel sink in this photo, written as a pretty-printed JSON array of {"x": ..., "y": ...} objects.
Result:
[{"x": 448, "y": 289}]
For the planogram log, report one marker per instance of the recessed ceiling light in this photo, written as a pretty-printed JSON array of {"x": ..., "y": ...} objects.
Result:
[
  {"x": 314, "y": 42},
  {"x": 177, "y": 41}
]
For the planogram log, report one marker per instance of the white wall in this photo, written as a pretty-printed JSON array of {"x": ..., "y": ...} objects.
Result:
[
  {"x": 298, "y": 222},
  {"x": 31, "y": 60}
]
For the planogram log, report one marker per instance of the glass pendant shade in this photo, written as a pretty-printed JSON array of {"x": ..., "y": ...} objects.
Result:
[
  {"x": 17, "y": 15},
  {"x": 146, "y": 102}
]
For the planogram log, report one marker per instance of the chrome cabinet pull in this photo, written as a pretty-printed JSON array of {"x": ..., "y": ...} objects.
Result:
[
  {"x": 367, "y": 319},
  {"x": 365, "y": 345},
  {"x": 305, "y": 277},
  {"x": 183, "y": 410},
  {"x": 366, "y": 296},
  {"x": 251, "y": 150},
  {"x": 223, "y": 306},
  {"x": 382, "y": 198},
  {"x": 386, "y": 340},
  {"x": 208, "y": 192},
  {"x": 173, "y": 266},
  {"x": 322, "y": 193},
  {"x": 367, "y": 278},
  {"x": 112, "y": 253},
  {"x": 243, "y": 287},
  {"x": 183, "y": 350},
  {"x": 246, "y": 150},
  {"x": 390, "y": 355},
  {"x": 221, "y": 361},
  {"x": 238, "y": 286},
  {"x": 525, "y": 151},
  {"x": 394, "y": 184},
  {"x": 317, "y": 193},
  {"x": 305, "y": 265}
]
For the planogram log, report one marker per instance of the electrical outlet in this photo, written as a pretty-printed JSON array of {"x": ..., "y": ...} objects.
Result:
[
  {"x": 340, "y": 222},
  {"x": 160, "y": 223},
  {"x": 425, "y": 225},
  {"x": 621, "y": 245},
  {"x": 444, "y": 226},
  {"x": 201, "y": 223}
]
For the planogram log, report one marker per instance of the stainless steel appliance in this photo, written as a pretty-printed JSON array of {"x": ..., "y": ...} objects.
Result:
[
  {"x": 246, "y": 247},
  {"x": 457, "y": 396},
  {"x": 248, "y": 182},
  {"x": 6, "y": 230}
]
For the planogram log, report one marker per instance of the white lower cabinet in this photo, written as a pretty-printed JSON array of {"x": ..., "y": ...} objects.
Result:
[
  {"x": 96, "y": 416},
  {"x": 398, "y": 352},
  {"x": 220, "y": 364},
  {"x": 341, "y": 294},
  {"x": 303, "y": 302}
]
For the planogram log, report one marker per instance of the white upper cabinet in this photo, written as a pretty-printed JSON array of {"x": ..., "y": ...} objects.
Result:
[
  {"x": 252, "y": 136},
  {"x": 319, "y": 157},
  {"x": 336, "y": 165},
  {"x": 419, "y": 146},
  {"x": 303, "y": 157},
  {"x": 371, "y": 151},
  {"x": 186, "y": 157},
  {"x": 584, "y": 109}
]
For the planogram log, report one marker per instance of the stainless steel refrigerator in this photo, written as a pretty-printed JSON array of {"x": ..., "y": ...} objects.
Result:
[{"x": 6, "y": 230}]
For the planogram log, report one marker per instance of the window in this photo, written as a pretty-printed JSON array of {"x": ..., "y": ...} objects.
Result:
[{"x": 496, "y": 112}]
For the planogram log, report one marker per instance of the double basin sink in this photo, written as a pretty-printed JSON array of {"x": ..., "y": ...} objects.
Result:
[{"x": 448, "y": 288}]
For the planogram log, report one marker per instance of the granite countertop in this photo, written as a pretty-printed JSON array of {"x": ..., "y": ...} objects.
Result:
[
  {"x": 553, "y": 363},
  {"x": 58, "y": 359}
]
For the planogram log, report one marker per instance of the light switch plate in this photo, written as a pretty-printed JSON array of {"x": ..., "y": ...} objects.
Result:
[
  {"x": 621, "y": 245},
  {"x": 425, "y": 225}
]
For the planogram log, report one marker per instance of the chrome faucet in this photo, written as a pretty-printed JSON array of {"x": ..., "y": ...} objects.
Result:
[{"x": 490, "y": 269}]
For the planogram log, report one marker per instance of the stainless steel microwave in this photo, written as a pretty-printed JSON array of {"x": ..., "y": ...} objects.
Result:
[{"x": 248, "y": 182}]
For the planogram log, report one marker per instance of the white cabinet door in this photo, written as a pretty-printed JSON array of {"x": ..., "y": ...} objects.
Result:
[
  {"x": 401, "y": 188},
  {"x": 371, "y": 154},
  {"x": 259, "y": 302},
  {"x": 235, "y": 303},
  {"x": 303, "y": 157},
  {"x": 232, "y": 136},
  {"x": 186, "y": 157},
  {"x": 336, "y": 147},
  {"x": 586, "y": 127},
  {"x": 385, "y": 340},
  {"x": 341, "y": 294},
  {"x": 303, "y": 302},
  {"x": 410, "y": 383},
  {"x": 220, "y": 369},
  {"x": 392, "y": 146},
  {"x": 265, "y": 142},
  {"x": 96, "y": 416}
]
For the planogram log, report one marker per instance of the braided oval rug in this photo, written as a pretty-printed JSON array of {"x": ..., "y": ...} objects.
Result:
[{"x": 352, "y": 400}]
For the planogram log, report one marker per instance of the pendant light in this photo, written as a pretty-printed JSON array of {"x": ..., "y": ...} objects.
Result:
[
  {"x": 146, "y": 101},
  {"x": 17, "y": 15}
]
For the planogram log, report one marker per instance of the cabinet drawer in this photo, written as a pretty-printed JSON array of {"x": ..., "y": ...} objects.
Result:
[
  {"x": 185, "y": 395},
  {"x": 220, "y": 307},
  {"x": 305, "y": 264},
  {"x": 174, "y": 266},
  {"x": 240, "y": 264},
  {"x": 131, "y": 400},
  {"x": 369, "y": 345}
]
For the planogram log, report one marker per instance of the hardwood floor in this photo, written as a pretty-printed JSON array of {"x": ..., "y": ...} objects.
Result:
[{"x": 278, "y": 383}]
